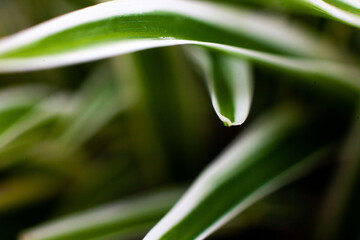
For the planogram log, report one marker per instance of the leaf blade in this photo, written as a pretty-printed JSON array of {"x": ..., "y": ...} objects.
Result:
[
  {"x": 229, "y": 81},
  {"x": 229, "y": 179},
  {"x": 158, "y": 20},
  {"x": 109, "y": 219}
]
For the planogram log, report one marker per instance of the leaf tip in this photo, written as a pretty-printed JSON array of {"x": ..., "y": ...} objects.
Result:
[
  {"x": 231, "y": 123},
  {"x": 226, "y": 124}
]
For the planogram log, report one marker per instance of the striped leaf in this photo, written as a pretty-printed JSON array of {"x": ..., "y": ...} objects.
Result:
[
  {"x": 16, "y": 101},
  {"x": 263, "y": 159},
  {"x": 229, "y": 83},
  {"x": 346, "y": 11},
  {"x": 47, "y": 109},
  {"x": 95, "y": 104},
  {"x": 119, "y": 27},
  {"x": 124, "y": 219}
]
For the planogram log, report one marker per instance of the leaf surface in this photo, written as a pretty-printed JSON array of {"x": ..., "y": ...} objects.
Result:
[
  {"x": 229, "y": 80},
  {"x": 263, "y": 159},
  {"x": 123, "y": 219}
]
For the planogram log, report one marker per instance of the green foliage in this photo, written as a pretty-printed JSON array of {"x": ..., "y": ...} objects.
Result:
[{"x": 73, "y": 138}]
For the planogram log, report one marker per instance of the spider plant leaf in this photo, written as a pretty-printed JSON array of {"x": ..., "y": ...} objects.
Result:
[
  {"x": 47, "y": 109},
  {"x": 16, "y": 101},
  {"x": 124, "y": 219},
  {"x": 266, "y": 157},
  {"x": 118, "y": 27},
  {"x": 95, "y": 104},
  {"x": 346, "y": 11},
  {"x": 166, "y": 78},
  {"x": 229, "y": 80},
  {"x": 20, "y": 96}
]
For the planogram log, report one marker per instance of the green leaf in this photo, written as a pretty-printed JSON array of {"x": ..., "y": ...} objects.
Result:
[
  {"x": 163, "y": 20},
  {"x": 124, "y": 219},
  {"x": 21, "y": 96},
  {"x": 229, "y": 81},
  {"x": 95, "y": 104},
  {"x": 116, "y": 25},
  {"x": 346, "y": 11},
  {"x": 16, "y": 101},
  {"x": 170, "y": 113},
  {"x": 47, "y": 109},
  {"x": 119, "y": 27},
  {"x": 266, "y": 157}
]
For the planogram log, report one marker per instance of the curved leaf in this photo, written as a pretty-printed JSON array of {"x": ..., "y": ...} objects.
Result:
[
  {"x": 16, "y": 101},
  {"x": 45, "y": 110},
  {"x": 20, "y": 96},
  {"x": 269, "y": 155},
  {"x": 111, "y": 28},
  {"x": 346, "y": 11},
  {"x": 229, "y": 83},
  {"x": 119, "y": 27},
  {"x": 126, "y": 218},
  {"x": 94, "y": 105}
]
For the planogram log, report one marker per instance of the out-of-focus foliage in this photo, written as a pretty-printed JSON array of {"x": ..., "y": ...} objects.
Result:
[{"x": 77, "y": 137}]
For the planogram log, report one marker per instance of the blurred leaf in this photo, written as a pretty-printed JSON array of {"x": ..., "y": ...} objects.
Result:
[
  {"x": 97, "y": 102},
  {"x": 122, "y": 220},
  {"x": 23, "y": 190},
  {"x": 45, "y": 110},
  {"x": 23, "y": 95},
  {"x": 263, "y": 159},
  {"x": 173, "y": 109},
  {"x": 16, "y": 101}
]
